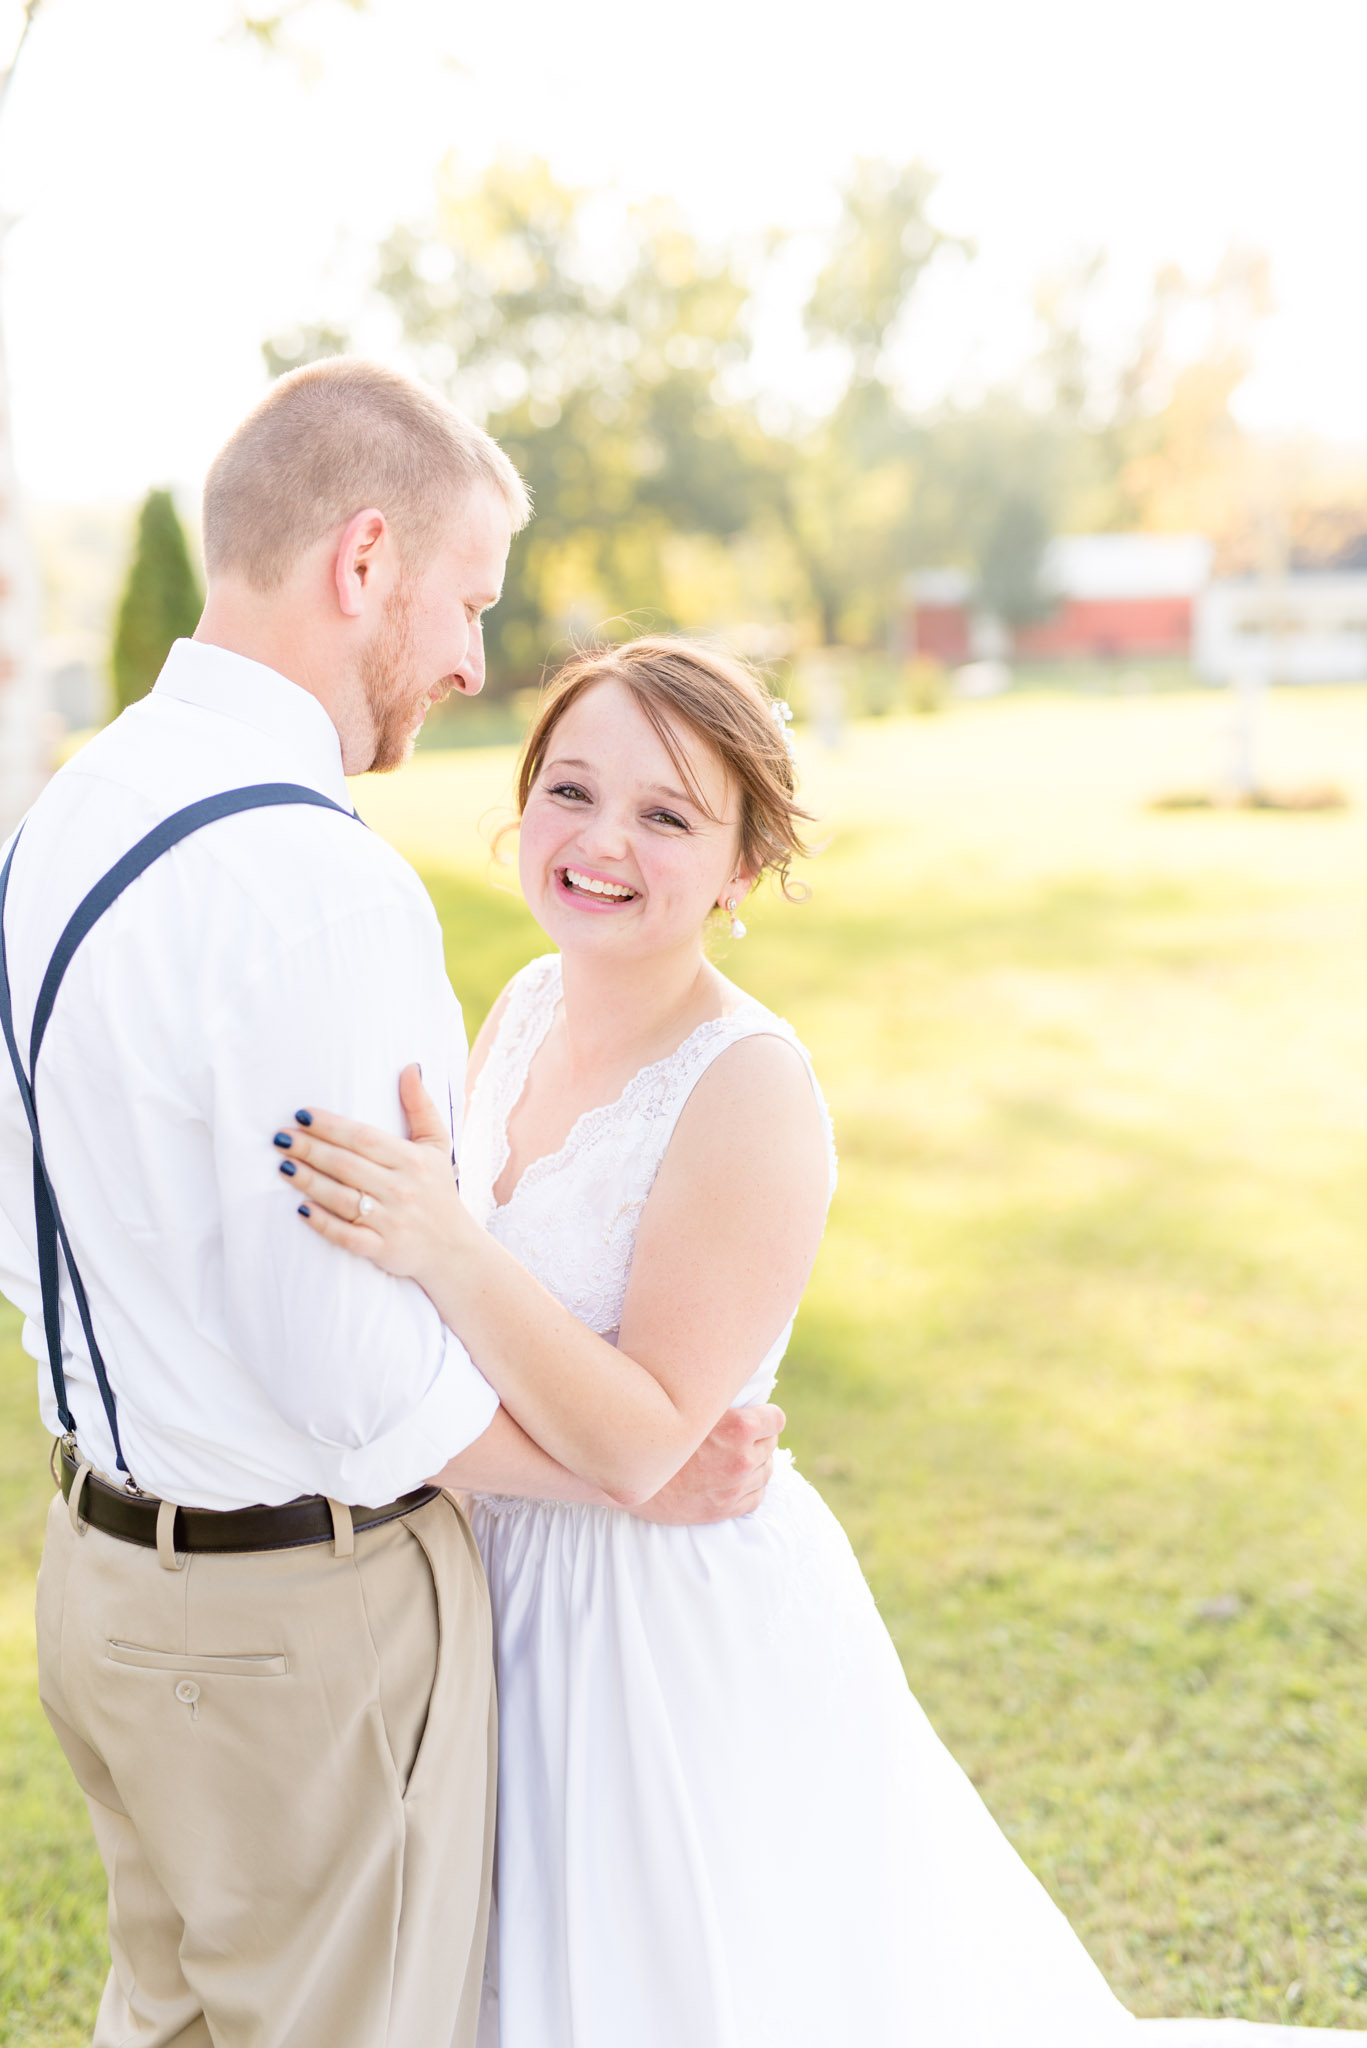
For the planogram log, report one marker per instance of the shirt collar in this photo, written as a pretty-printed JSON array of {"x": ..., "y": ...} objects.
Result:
[{"x": 215, "y": 679}]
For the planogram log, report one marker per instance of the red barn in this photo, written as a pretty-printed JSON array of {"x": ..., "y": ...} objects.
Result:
[
  {"x": 1122, "y": 597},
  {"x": 1119, "y": 597},
  {"x": 940, "y": 621}
]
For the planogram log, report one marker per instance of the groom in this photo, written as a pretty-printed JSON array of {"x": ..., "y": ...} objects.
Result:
[{"x": 263, "y": 1638}]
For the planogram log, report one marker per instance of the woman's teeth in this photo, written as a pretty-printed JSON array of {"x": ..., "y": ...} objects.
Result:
[{"x": 595, "y": 888}]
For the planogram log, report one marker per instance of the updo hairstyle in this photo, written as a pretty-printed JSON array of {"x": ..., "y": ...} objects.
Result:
[{"x": 679, "y": 683}]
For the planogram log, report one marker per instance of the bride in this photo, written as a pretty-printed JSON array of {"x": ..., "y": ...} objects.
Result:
[{"x": 723, "y": 1820}]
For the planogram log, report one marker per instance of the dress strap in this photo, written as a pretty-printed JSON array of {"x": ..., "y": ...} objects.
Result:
[
  {"x": 665, "y": 1088},
  {"x": 50, "y": 1230},
  {"x": 533, "y": 994}
]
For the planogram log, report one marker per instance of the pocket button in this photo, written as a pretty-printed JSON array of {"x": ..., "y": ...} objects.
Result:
[{"x": 188, "y": 1692}]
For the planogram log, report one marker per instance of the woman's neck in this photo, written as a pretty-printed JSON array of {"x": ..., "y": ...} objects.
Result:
[{"x": 622, "y": 1011}]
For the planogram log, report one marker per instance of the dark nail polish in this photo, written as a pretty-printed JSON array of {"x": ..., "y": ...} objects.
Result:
[
  {"x": 288, "y": 1166},
  {"x": 303, "y": 1208},
  {"x": 302, "y": 1116},
  {"x": 283, "y": 1140}
]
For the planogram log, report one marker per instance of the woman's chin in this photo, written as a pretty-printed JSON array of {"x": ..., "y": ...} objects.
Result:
[
  {"x": 606, "y": 935},
  {"x": 576, "y": 930},
  {"x": 591, "y": 935}
]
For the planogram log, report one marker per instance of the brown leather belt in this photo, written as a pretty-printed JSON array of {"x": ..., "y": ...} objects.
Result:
[{"x": 132, "y": 1517}]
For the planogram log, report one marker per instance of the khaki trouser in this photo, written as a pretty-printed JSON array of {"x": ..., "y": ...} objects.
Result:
[{"x": 289, "y": 1762}]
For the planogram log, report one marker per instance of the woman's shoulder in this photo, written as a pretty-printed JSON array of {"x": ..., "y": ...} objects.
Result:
[
  {"x": 752, "y": 1112},
  {"x": 758, "y": 1049},
  {"x": 752, "y": 1074}
]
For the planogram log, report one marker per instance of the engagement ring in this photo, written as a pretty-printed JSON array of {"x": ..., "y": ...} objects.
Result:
[{"x": 364, "y": 1206}]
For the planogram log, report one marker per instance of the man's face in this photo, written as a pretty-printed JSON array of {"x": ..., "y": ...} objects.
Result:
[{"x": 430, "y": 639}]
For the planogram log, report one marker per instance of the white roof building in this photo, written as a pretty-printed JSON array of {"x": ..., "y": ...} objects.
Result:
[{"x": 1101, "y": 566}]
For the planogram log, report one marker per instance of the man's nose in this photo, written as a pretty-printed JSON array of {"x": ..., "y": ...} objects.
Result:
[{"x": 469, "y": 674}]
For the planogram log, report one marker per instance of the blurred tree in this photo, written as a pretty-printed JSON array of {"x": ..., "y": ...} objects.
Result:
[
  {"x": 28, "y": 12},
  {"x": 161, "y": 600},
  {"x": 300, "y": 345},
  {"x": 883, "y": 242},
  {"x": 1063, "y": 376},
  {"x": 1000, "y": 476},
  {"x": 1177, "y": 457},
  {"x": 1090, "y": 441},
  {"x": 848, "y": 501},
  {"x": 26, "y": 723},
  {"x": 1010, "y": 566},
  {"x": 849, "y": 490},
  {"x": 608, "y": 352},
  {"x": 599, "y": 352},
  {"x": 269, "y": 26},
  {"x": 25, "y": 735},
  {"x": 994, "y": 481}
]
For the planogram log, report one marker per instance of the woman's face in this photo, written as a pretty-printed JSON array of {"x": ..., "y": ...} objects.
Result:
[{"x": 614, "y": 854}]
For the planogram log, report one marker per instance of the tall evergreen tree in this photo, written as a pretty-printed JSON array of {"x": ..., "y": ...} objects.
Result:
[{"x": 161, "y": 600}]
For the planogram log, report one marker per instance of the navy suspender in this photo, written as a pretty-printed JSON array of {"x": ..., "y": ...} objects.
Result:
[{"x": 47, "y": 1216}]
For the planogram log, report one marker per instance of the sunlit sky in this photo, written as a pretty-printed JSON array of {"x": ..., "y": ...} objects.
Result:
[{"x": 178, "y": 196}]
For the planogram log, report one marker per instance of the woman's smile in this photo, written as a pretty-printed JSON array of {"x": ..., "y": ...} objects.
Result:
[{"x": 592, "y": 890}]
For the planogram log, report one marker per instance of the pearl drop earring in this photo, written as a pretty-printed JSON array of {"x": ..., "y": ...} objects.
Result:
[{"x": 737, "y": 928}]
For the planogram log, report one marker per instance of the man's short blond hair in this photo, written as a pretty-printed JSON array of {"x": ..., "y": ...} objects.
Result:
[{"x": 330, "y": 440}]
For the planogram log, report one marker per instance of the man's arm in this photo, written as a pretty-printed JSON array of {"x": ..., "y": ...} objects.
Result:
[{"x": 357, "y": 1361}]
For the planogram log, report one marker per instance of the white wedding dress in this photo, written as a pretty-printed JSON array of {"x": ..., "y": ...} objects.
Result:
[{"x": 723, "y": 1820}]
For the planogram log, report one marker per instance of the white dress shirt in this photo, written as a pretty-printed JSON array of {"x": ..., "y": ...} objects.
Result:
[{"x": 272, "y": 960}]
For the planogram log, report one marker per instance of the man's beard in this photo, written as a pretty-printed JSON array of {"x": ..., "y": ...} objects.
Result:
[{"x": 393, "y": 693}]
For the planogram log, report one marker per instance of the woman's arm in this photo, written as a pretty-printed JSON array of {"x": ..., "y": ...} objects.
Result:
[
  {"x": 726, "y": 1476},
  {"x": 505, "y": 1460},
  {"x": 724, "y": 1249}
]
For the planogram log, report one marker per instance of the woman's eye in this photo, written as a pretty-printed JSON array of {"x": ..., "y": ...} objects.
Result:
[
  {"x": 571, "y": 790},
  {"x": 670, "y": 818}
]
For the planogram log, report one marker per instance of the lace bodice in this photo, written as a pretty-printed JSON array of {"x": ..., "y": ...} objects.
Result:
[{"x": 573, "y": 1216}]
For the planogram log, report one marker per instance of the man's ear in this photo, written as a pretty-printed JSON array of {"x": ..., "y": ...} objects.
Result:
[{"x": 364, "y": 541}]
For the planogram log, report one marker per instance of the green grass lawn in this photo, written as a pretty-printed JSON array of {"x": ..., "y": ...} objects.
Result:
[{"x": 1081, "y": 1367}]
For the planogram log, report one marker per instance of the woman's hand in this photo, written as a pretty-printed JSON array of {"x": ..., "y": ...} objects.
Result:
[{"x": 393, "y": 1200}]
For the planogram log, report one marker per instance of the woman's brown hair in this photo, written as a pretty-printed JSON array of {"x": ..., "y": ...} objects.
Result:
[{"x": 724, "y": 704}]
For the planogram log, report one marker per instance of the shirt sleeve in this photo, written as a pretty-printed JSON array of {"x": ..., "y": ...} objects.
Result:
[{"x": 355, "y": 1360}]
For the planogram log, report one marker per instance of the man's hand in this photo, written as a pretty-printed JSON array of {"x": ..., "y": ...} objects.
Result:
[{"x": 726, "y": 1475}]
